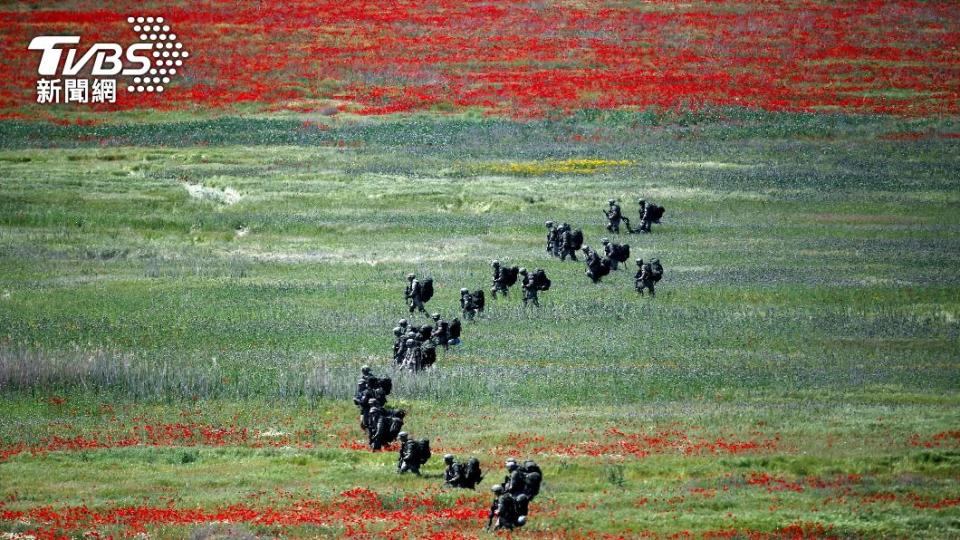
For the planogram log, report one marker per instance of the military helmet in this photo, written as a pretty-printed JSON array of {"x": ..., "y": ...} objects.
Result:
[
  {"x": 410, "y": 341},
  {"x": 549, "y": 224},
  {"x": 612, "y": 201},
  {"x": 397, "y": 331},
  {"x": 402, "y": 435},
  {"x": 372, "y": 401},
  {"x": 411, "y": 275},
  {"x": 365, "y": 369},
  {"x": 522, "y": 520},
  {"x": 641, "y": 202},
  {"x": 402, "y": 322},
  {"x": 523, "y": 271},
  {"x": 604, "y": 240},
  {"x": 435, "y": 316},
  {"x": 464, "y": 290},
  {"x": 448, "y": 458},
  {"x": 374, "y": 409},
  {"x": 496, "y": 488},
  {"x": 494, "y": 263},
  {"x": 565, "y": 225},
  {"x": 639, "y": 262},
  {"x": 522, "y": 497}
]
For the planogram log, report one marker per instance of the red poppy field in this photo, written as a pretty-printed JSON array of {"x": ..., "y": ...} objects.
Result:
[
  {"x": 523, "y": 59},
  {"x": 190, "y": 279}
]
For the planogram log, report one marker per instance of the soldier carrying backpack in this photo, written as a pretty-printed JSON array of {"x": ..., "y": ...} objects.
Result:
[
  {"x": 462, "y": 475},
  {"x": 415, "y": 293},
  {"x": 469, "y": 306},
  {"x": 532, "y": 478},
  {"x": 413, "y": 454},
  {"x": 570, "y": 242}
]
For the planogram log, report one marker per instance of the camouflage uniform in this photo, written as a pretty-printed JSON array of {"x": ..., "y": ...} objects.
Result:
[
  {"x": 468, "y": 305},
  {"x": 644, "y": 278},
  {"x": 453, "y": 474},
  {"x": 408, "y": 459},
  {"x": 441, "y": 336},
  {"x": 504, "y": 508},
  {"x": 552, "y": 239},
  {"x": 566, "y": 244},
  {"x": 413, "y": 356},
  {"x": 529, "y": 288},
  {"x": 608, "y": 251},
  {"x": 412, "y": 294},
  {"x": 645, "y": 218},
  {"x": 613, "y": 217},
  {"x": 498, "y": 280}
]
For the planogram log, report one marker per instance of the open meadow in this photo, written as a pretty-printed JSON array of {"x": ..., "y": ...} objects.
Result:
[
  {"x": 183, "y": 324},
  {"x": 190, "y": 280}
]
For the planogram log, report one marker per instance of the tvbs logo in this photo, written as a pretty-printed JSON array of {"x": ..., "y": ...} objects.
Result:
[{"x": 147, "y": 65}]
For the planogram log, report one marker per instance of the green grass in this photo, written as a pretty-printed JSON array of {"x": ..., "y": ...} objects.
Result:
[{"x": 811, "y": 293}]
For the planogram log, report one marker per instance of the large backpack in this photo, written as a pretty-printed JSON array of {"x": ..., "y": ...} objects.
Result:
[
  {"x": 455, "y": 328},
  {"x": 656, "y": 213},
  {"x": 531, "y": 484},
  {"x": 510, "y": 274},
  {"x": 603, "y": 268},
  {"x": 429, "y": 354},
  {"x": 426, "y": 290},
  {"x": 530, "y": 466},
  {"x": 396, "y": 426},
  {"x": 657, "y": 270},
  {"x": 576, "y": 239},
  {"x": 479, "y": 299},
  {"x": 422, "y": 450},
  {"x": 386, "y": 384},
  {"x": 621, "y": 252},
  {"x": 541, "y": 280},
  {"x": 472, "y": 474}
]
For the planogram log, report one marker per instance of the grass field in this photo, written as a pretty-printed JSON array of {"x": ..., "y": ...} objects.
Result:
[{"x": 184, "y": 307}]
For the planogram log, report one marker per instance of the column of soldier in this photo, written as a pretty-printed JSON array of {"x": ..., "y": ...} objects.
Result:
[
  {"x": 415, "y": 349},
  {"x": 384, "y": 426},
  {"x": 562, "y": 242}
]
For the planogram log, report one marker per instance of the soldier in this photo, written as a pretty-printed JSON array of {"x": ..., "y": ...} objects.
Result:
[
  {"x": 514, "y": 483},
  {"x": 468, "y": 307},
  {"x": 413, "y": 356},
  {"x": 365, "y": 375},
  {"x": 462, "y": 475},
  {"x": 566, "y": 243},
  {"x": 365, "y": 414},
  {"x": 373, "y": 423},
  {"x": 504, "y": 508},
  {"x": 613, "y": 217},
  {"x": 413, "y": 454},
  {"x": 412, "y": 294},
  {"x": 646, "y": 218},
  {"x": 608, "y": 250},
  {"x": 643, "y": 278},
  {"x": 441, "y": 336},
  {"x": 402, "y": 323},
  {"x": 453, "y": 475},
  {"x": 499, "y": 280},
  {"x": 596, "y": 267},
  {"x": 552, "y": 239},
  {"x": 529, "y": 288},
  {"x": 387, "y": 427}
]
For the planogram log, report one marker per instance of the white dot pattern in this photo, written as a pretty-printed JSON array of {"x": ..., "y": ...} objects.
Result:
[{"x": 167, "y": 51}]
